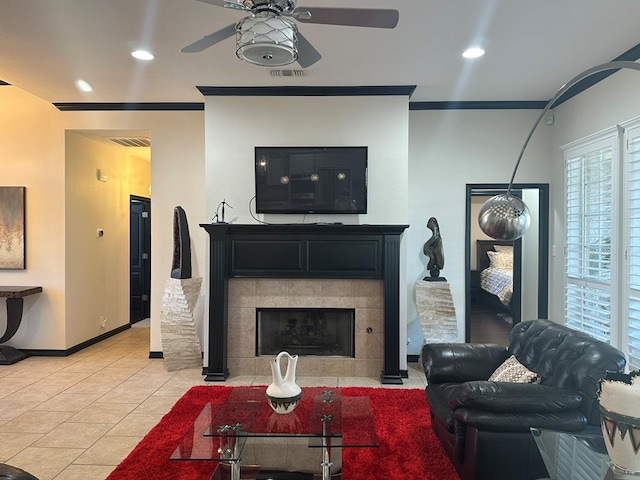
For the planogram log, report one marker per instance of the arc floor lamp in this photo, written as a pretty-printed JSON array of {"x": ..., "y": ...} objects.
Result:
[{"x": 507, "y": 217}]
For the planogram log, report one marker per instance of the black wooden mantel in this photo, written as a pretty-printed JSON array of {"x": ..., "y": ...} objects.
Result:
[{"x": 303, "y": 251}]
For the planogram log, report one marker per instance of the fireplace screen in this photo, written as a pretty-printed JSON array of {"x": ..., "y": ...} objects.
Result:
[{"x": 306, "y": 331}]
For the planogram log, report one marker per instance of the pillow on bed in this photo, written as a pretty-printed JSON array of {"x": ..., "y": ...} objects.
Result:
[
  {"x": 503, "y": 248},
  {"x": 500, "y": 259}
]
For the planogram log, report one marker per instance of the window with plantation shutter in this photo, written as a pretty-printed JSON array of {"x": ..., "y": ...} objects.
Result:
[
  {"x": 590, "y": 181},
  {"x": 631, "y": 215}
]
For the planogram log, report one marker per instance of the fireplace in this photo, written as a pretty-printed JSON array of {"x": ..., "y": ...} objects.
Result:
[
  {"x": 327, "y": 332},
  {"x": 342, "y": 262}
]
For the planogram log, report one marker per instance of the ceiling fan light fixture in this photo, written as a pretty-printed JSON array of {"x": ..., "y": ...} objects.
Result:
[{"x": 266, "y": 39}]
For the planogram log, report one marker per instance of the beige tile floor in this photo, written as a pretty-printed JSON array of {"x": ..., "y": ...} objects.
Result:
[{"x": 77, "y": 417}]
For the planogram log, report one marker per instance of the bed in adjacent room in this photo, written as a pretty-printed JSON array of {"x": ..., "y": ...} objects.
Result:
[{"x": 495, "y": 267}]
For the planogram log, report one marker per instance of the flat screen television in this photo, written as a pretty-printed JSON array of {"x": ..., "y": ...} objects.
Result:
[{"x": 311, "y": 179}]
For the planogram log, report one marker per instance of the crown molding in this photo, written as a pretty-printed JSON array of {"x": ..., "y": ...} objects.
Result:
[
  {"x": 473, "y": 105},
  {"x": 107, "y": 106},
  {"x": 304, "y": 91},
  {"x": 631, "y": 55}
]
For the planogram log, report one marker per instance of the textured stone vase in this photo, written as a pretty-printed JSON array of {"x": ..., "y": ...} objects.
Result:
[
  {"x": 619, "y": 397},
  {"x": 436, "y": 311},
  {"x": 180, "y": 340}
]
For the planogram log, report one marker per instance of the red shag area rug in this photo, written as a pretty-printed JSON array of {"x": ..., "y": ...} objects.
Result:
[{"x": 408, "y": 448}]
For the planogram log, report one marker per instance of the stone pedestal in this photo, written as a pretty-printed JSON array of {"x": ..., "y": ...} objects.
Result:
[
  {"x": 436, "y": 311},
  {"x": 180, "y": 342}
]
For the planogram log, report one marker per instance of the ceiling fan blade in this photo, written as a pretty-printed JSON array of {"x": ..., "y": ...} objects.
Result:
[
  {"x": 355, "y": 17},
  {"x": 307, "y": 54},
  {"x": 223, "y": 3},
  {"x": 210, "y": 40}
]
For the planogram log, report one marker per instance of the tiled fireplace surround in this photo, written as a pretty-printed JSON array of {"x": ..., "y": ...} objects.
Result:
[{"x": 365, "y": 296}]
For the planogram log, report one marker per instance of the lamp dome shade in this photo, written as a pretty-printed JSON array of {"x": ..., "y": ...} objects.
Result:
[{"x": 504, "y": 217}]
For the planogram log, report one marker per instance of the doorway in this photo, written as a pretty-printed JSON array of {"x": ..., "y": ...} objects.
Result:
[
  {"x": 140, "y": 258},
  {"x": 490, "y": 314}
]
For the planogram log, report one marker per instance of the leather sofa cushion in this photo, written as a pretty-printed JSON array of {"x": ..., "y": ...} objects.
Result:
[
  {"x": 438, "y": 397},
  {"x": 461, "y": 362},
  {"x": 513, "y": 397},
  {"x": 520, "y": 422},
  {"x": 566, "y": 358}
]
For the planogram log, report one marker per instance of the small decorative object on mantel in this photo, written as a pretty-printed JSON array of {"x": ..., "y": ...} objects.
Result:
[
  {"x": 283, "y": 393},
  {"x": 619, "y": 396},
  {"x": 219, "y": 216},
  {"x": 433, "y": 249}
]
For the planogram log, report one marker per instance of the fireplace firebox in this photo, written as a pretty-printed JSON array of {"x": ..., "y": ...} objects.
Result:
[{"x": 306, "y": 331}]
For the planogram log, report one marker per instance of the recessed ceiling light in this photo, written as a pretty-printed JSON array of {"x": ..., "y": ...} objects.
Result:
[
  {"x": 142, "y": 55},
  {"x": 473, "y": 52},
  {"x": 83, "y": 86}
]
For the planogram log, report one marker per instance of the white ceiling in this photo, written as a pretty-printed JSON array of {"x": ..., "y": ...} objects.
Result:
[{"x": 533, "y": 47}]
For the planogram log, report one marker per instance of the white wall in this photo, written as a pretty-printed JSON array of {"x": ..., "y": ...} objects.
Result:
[
  {"x": 177, "y": 179},
  {"x": 530, "y": 254},
  {"x": 98, "y": 267},
  {"x": 447, "y": 150},
  {"x": 420, "y": 160},
  {"x": 32, "y": 155},
  {"x": 235, "y": 125},
  {"x": 604, "y": 105}
]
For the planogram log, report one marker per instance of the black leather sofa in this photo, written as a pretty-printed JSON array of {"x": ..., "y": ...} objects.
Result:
[
  {"x": 484, "y": 426},
  {"x": 7, "y": 472}
]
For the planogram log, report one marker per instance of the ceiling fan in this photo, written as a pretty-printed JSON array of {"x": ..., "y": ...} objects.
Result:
[{"x": 268, "y": 36}]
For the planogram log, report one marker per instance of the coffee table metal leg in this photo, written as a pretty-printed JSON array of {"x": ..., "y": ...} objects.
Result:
[
  {"x": 326, "y": 447},
  {"x": 230, "y": 448}
]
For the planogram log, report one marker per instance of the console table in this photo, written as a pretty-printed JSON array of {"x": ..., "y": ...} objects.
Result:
[
  {"x": 303, "y": 251},
  {"x": 15, "y": 299}
]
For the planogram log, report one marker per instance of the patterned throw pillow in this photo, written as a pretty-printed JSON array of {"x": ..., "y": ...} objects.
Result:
[
  {"x": 513, "y": 371},
  {"x": 500, "y": 259}
]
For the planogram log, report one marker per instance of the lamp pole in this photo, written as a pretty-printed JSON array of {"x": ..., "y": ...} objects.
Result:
[{"x": 506, "y": 216}]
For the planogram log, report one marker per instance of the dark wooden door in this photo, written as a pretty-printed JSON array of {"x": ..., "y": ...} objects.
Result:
[{"x": 140, "y": 258}]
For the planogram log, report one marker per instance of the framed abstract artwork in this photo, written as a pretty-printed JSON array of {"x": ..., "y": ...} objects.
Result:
[{"x": 12, "y": 228}]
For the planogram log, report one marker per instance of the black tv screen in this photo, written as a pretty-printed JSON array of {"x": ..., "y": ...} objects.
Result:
[{"x": 311, "y": 179}]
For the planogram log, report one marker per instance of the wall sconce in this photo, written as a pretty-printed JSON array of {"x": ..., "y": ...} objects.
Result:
[{"x": 507, "y": 217}]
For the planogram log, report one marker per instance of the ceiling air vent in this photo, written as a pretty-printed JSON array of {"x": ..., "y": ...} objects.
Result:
[{"x": 130, "y": 141}]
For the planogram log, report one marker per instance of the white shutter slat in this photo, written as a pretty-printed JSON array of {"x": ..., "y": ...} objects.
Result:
[
  {"x": 631, "y": 214},
  {"x": 589, "y": 219}
]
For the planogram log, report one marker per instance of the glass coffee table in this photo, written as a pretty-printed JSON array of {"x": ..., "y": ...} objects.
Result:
[
  {"x": 576, "y": 455},
  {"x": 244, "y": 432}
]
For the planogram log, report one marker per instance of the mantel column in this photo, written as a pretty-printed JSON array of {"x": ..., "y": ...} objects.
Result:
[
  {"x": 216, "y": 366},
  {"x": 391, "y": 278}
]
